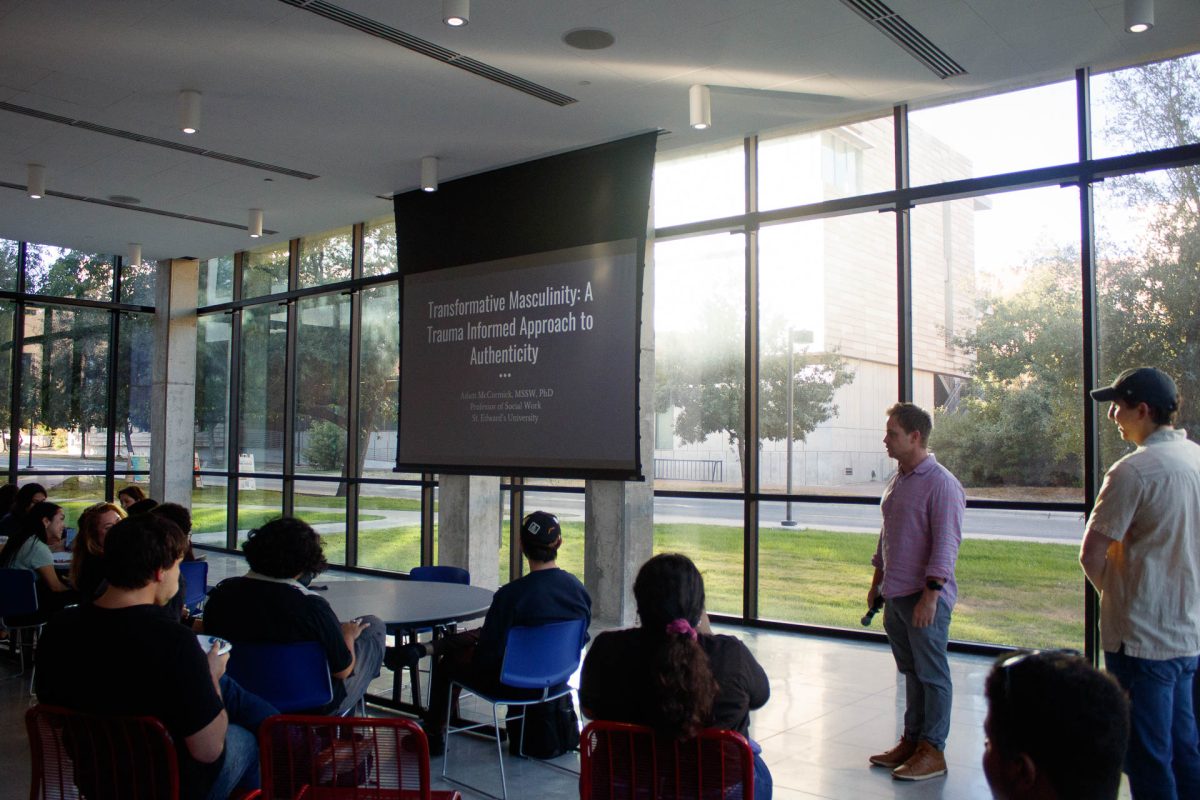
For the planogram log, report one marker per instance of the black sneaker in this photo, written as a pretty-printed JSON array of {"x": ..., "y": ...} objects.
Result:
[{"x": 403, "y": 657}]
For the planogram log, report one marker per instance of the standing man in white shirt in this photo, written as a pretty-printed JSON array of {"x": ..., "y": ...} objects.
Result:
[{"x": 1141, "y": 550}]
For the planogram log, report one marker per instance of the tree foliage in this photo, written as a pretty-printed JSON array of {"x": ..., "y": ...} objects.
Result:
[
  {"x": 1020, "y": 422},
  {"x": 700, "y": 374}
]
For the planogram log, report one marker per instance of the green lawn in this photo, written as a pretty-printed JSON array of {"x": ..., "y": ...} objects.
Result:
[{"x": 1014, "y": 593}]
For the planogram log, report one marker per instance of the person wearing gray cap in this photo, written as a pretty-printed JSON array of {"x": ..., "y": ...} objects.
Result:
[{"x": 1141, "y": 550}]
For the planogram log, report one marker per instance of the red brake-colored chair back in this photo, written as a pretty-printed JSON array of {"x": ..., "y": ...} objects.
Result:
[
  {"x": 621, "y": 761},
  {"x": 101, "y": 758},
  {"x": 317, "y": 758}
]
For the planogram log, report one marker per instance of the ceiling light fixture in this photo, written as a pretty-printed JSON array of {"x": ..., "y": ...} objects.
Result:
[
  {"x": 135, "y": 254},
  {"x": 429, "y": 176},
  {"x": 1139, "y": 15},
  {"x": 189, "y": 111},
  {"x": 256, "y": 223},
  {"x": 700, "y": 106},
  {"x": 456, "y": 13},
  {"x": 35, "y": 182}
]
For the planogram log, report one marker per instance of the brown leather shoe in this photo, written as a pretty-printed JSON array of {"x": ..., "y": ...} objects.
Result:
[
  {"x": 893, "y": 758},
  {"x": 928, "y": 762}
]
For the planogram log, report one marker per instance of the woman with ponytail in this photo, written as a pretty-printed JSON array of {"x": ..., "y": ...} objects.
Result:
[{"x": 669, "y": 675}]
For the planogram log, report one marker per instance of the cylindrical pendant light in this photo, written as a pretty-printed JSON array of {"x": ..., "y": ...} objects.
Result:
[
  {"x": 429, "y": 176},
  {"x": 189, "y": 111},
  {"x": 135, "y": 254},
  {"x": 456, "y": 13},
  {"x": 35, "y": 181},
  {"x": 700, "y": 106},
  {"x": 256, "y": 223},
  {"x": 1139, "y": 15}
]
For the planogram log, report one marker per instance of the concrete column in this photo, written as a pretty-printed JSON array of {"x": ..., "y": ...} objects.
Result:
[
  {"x": 619, "y": 516},
  {"x": 173, "y": 389},
  {"x": 619, "y": 539},
  {"x": 469, "y": 526}
]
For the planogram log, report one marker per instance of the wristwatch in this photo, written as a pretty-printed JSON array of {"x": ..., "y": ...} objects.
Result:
[{"x": 933, "y": 585}]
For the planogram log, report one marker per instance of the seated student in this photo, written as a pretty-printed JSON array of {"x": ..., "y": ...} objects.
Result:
[
  {"x": 269, "y": 604},
  {"x": 29, "y": 547},
  {"x": 1056, "y": 729},
  {"x": 142, "y": 507},
  {"x": 8, "y": 493},
  {"x": 141, "y": 662},
  {"x": 87, "y": 554},
  {"x": 546, "y": 594},
  {"x": 129, "y": 495},
  {"x": 669, "y": 676},
  {"x": 27, "y": 497},
  {"x": 183, "y": 518}
]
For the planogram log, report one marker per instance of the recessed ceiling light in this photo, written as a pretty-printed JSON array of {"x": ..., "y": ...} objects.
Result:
[
  {"x": 588, "y": 39},
  {"x": 128, "y": 200}
]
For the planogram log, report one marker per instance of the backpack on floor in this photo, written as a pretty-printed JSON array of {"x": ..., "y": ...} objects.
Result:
[{"x": 551, "y": 729}]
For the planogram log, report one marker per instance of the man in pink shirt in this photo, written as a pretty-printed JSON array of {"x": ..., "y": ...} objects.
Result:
[{"x": 923, "y": 507}]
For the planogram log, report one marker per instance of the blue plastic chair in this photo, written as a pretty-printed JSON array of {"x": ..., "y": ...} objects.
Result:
[
  {"x": 430, "y": 574},
  {"x": 195, "y": 577},
  {"x": 18, "y": 599},
  {"x": 292, "y": 676},
  {"x": 541, "y": 657},
  {"x": 441, "y": 574}
]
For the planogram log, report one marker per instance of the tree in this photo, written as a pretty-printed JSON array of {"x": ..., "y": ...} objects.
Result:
[
  {"x": 1021, "y": 420},
  {"x": 1149, "y": 300},
  {"x": 69, "y": 381},
  {"x": 701, "y": 373}
]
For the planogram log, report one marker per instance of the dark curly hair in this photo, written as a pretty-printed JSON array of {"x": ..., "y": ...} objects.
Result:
[
  {"x": 137, "y": 547},
  {"x": 284, "y": 548},
  {"x": 669, "y": 587}
]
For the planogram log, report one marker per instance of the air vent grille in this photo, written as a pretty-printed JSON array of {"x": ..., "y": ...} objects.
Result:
[
  {"x": 900, "y": 31},
  {"x": 167, "y": 143},
  {"x": 426, "y": 48},
  {"x": 129, "y": 207}
]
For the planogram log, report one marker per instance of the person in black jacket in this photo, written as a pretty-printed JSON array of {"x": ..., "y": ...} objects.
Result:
[{"x": 670, "y": 676}]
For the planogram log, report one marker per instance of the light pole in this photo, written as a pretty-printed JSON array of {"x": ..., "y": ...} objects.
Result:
[{"x": 793, "y": 337}]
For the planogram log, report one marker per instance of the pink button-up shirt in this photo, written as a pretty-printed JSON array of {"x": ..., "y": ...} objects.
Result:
[{"x": 922, "y": 528}]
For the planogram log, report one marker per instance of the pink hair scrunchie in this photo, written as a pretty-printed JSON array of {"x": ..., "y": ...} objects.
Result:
[{"x": 681, "y": 627}]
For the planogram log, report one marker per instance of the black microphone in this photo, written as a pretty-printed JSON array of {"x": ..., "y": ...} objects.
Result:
[{"x": 870, "y": 615}]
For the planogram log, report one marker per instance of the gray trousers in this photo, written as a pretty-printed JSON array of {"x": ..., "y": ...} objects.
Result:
[
  {"x": 368, "y": 658},
  {"x": 920, "y": 655}
]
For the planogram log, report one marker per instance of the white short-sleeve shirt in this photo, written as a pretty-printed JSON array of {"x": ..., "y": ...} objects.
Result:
[{"x": 1149, "y": 505}]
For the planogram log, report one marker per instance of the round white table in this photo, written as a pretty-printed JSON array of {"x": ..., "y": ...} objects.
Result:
[{"x": 406, "y": 607}]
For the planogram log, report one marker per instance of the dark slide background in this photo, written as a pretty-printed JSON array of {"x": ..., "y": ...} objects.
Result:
[
  {"x": 522, "y": 216},
  {"x": 568, "y": 409}
]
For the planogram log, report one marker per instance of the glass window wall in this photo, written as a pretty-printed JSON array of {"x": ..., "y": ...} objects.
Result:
[
  {"x": 326, "y": 258},
  {"x": 699, "y": 362}
]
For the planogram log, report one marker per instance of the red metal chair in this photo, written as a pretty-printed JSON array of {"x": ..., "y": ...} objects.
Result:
[
  {"x": 100, "y": 758},
  {"x": 317, "y": 758},
  {"x": 630, "y": 762}
]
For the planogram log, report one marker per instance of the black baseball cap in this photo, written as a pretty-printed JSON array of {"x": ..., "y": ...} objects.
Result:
[
  {"x": 541, "y": 527},
  {"x": 1141, "y": 385}
]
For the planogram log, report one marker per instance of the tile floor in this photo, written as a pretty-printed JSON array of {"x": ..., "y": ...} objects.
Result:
[{"x": 832, "y": 704}]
